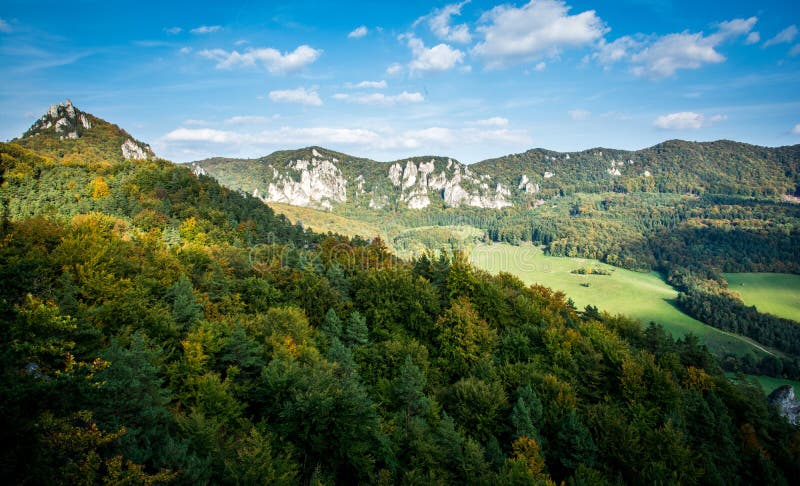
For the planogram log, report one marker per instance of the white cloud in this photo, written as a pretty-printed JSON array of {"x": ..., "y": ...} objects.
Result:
[
  {"x": 358, "y": 32},
  {"x": 5, "y": 27},
  {"x": 735, "y": 28},
  {"x": 272, "y": 59},
  {"x": 686, "y": 120},
  {"x": 185, "y": 50},
  {"x": 440, "y": 57},
  {"x": 173, "y": 30},
  {"x": 495, "y": 121},
  {"x": 753, "y": 38},
  {"x": 394, "y": 69},
  {"x": 246, "y": 120},
  {"x": 202, "y": 135},
  {"x": 381, "y": 99},
  {"x": 785, "y": 36},
  {"x": 439, "y": 21},
  {"x": 539, "y": 29},
  {"x": 662, "y": 56},
  {"x": 795, "y": 51},
  {"x": 579, "y": 114},
  {"x": 367, "y": 84},
  {"x": 675, "y": 51},
  {"x": 241, "y": 42},
  {"x": 299, "y": 96},
  {"x": 540, "y": 66},
  {"x": 206, "y": 29},
  {"x": 194, "y": 122},
  {"x": 796, "y": 129}
]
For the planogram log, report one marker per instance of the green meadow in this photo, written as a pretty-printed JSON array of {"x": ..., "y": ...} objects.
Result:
[
  {"x": 643, "y": 296},
  {"x": 773, "y": 293}
]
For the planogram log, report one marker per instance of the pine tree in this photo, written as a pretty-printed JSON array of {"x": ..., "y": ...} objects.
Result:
[
  {"x": 356, "y": 332},
  {"x": 185, "y": 308},
  {"x": 332, "y": 325}
]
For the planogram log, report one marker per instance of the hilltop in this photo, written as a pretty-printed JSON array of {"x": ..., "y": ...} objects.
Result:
[{"x": 65, "y": 132}]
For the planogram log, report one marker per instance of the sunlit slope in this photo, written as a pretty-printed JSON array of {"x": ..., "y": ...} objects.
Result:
[{"x": 643, "y": 296}]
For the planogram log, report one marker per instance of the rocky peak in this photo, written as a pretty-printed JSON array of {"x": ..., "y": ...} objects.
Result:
[{"x": 63, "y": 121}]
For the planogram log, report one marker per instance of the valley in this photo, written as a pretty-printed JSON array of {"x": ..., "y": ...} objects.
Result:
[
  {"x": 195, "y": 330},
  {"x": 643, "y": 296}
]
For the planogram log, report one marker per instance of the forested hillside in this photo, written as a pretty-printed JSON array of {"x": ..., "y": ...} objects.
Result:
[{"x": 159, "y": 328}]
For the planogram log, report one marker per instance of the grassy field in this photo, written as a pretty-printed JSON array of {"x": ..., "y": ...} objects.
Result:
[
  {"x": 769, "y": 384},
  {"x": 773, "y": 293},
  {"x": 643, "y": 296}
]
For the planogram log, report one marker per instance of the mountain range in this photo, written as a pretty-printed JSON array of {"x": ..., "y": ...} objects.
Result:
[{"x": 323, "y": 179}]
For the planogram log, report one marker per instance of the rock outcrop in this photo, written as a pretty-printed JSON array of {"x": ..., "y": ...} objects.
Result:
[{"x": 783, "y": 397}]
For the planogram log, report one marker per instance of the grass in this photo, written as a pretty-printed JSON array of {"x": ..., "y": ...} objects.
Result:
[
  {"x": 643, "y": 296},
  {"x": 773, "y": 293},
  {"x": 768, "y": 383}
]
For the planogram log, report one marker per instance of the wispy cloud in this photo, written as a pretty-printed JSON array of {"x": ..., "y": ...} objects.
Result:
[
  {"x": 206, "y": 29},
  {"x": 440, "y": 23},
  {"x": 579, "y": 115},
  {"x": 381, "y": 99},
  {"x": 686, "y": 120},
  {"x": 246, "y": 120},
  {"x": 495, "y": 121},
  {"x": 299, "y": 96},
  {"x": 358, "y": 32},
  {"x": 272, "y": 59},
  {"x": 658, "y": 57},
  {"x": 5, "y": 27},
  {"x": 785, "y": 36},
  {"x": 367, "y": 84},
  {"x": 173, "y": 30}
]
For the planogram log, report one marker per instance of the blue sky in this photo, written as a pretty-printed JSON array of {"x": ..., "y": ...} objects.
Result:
[{"x": 386, "y": 80}]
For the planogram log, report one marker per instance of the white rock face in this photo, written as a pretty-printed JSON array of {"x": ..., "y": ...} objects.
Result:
[
  {"x": 614, "y": 171},
  {"x": 198, "y": 170},
  {"x": 418, "y": 199},
  {"x": 395, "y": 173},
  {"x": 132, "y": 150},
  {"x": 321, "y": 185},
  {"x": 647, "y": 174},
  {"x": 85, "y": 123},
  {"x": 548, "y": 175},
  {"x": 528, "y": 186}
]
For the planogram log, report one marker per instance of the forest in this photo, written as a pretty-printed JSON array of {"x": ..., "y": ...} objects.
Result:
[{"x": 159, "y": 328}]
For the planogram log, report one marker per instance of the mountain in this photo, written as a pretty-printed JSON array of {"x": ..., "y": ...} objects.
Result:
[
  {"x": 323, "y": 179},
  {"x": 71, "y": 163},
  {"x": 64, "y": 131}
]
